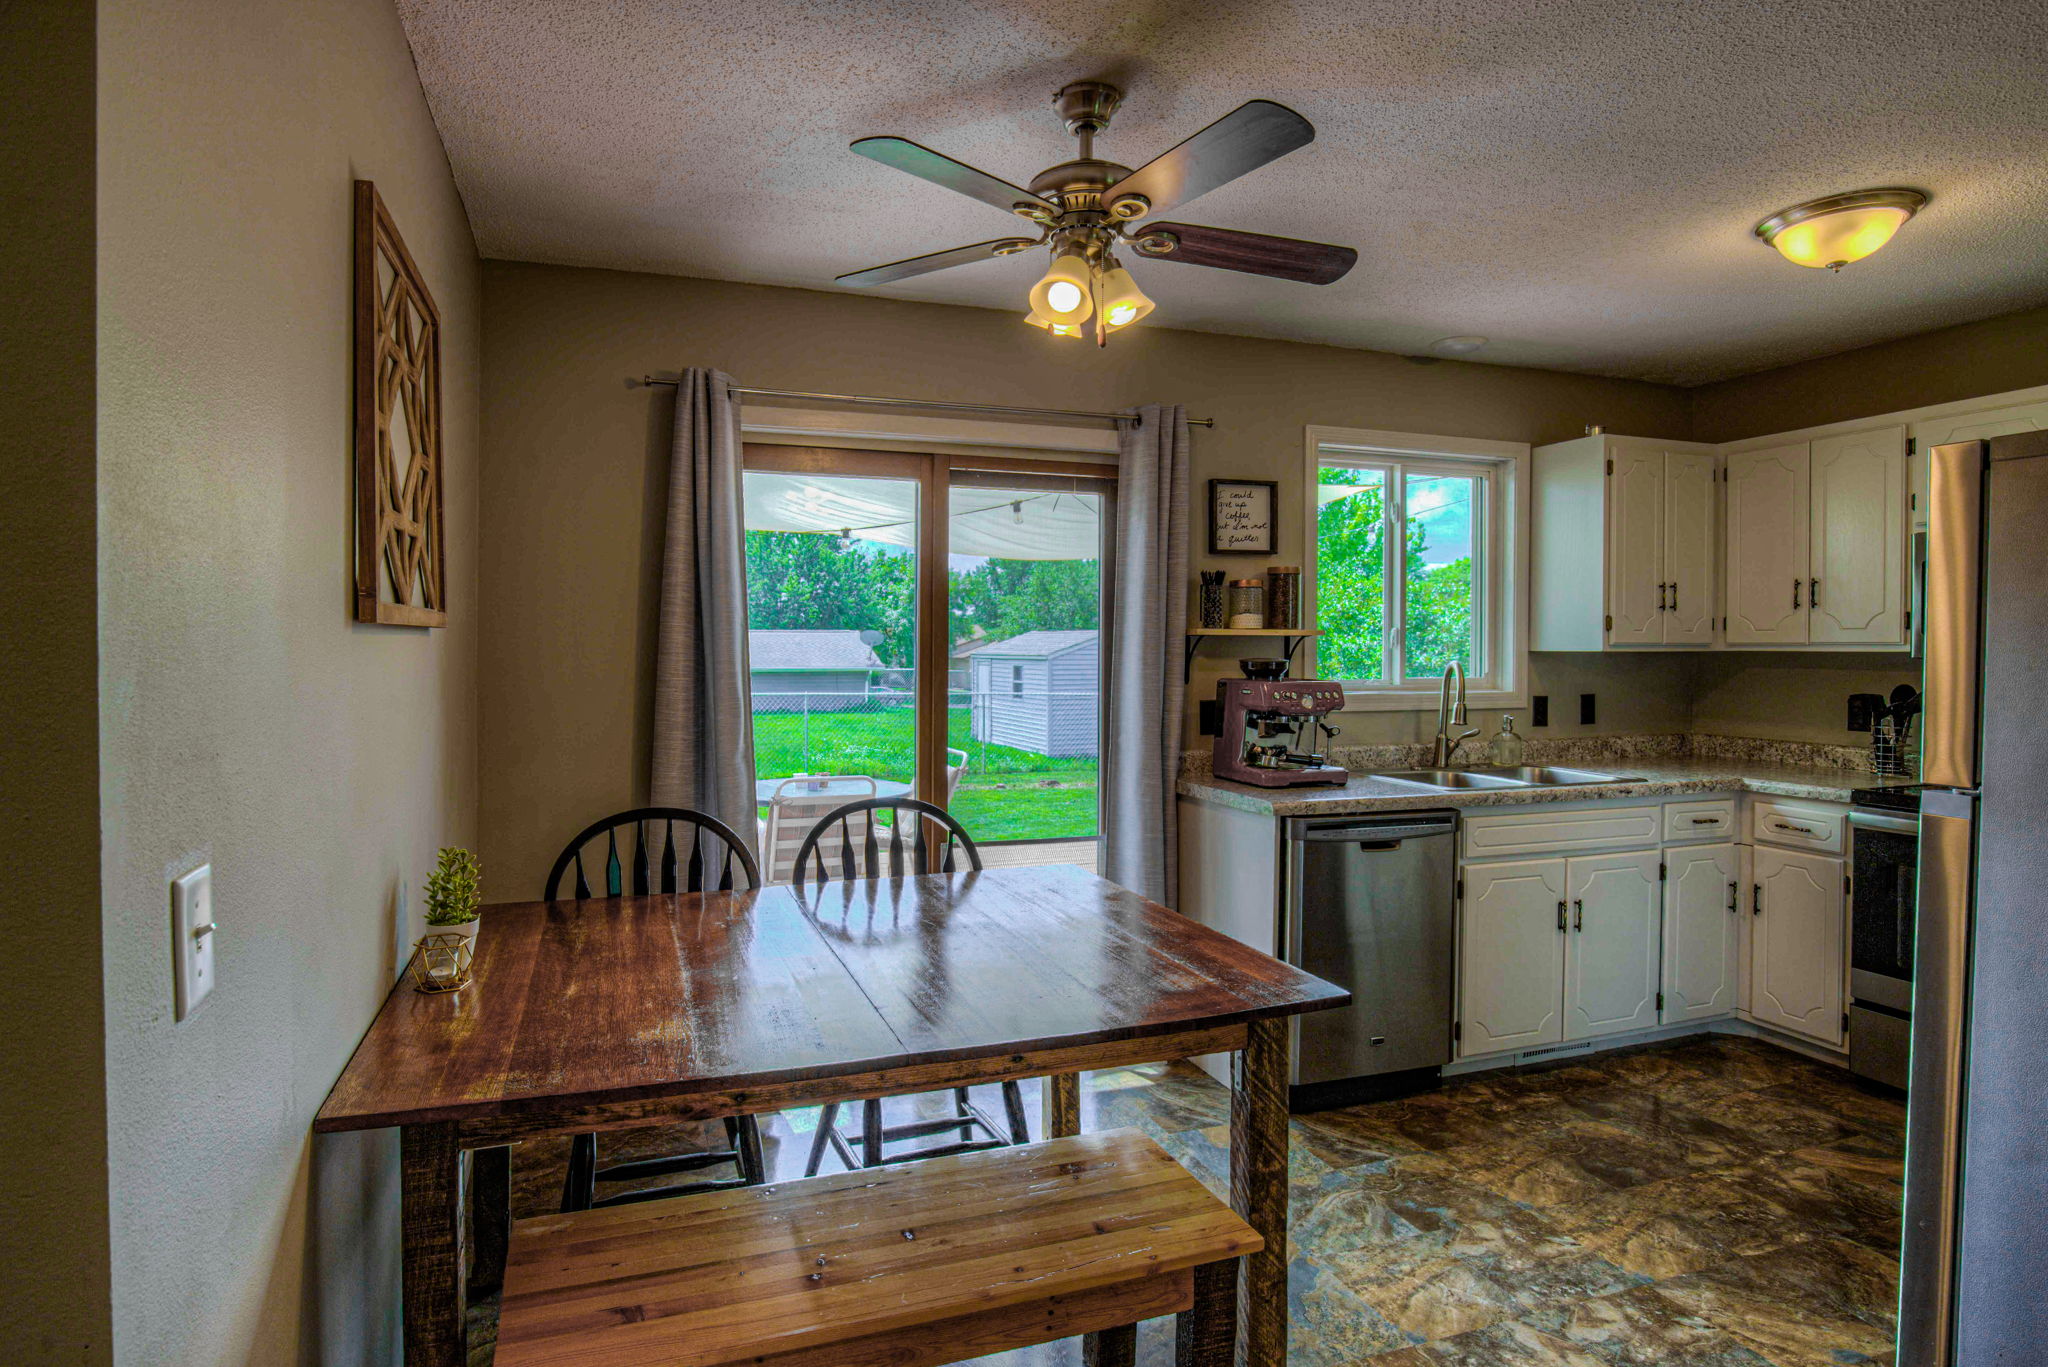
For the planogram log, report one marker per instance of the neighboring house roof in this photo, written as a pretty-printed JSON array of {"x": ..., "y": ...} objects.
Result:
[
  {"x": 967, "y": 645},
  {"x": 1037, "y": 645},
  {"x": 783, "y": 652}
]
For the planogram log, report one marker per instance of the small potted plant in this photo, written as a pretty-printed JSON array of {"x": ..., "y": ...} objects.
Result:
[{"x": 454, "y": 895}]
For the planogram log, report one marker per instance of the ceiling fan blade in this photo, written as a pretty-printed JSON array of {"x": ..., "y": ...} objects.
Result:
[
  {"x": 1289, "y": 258},
  {"x": 935, "y": 261},
  {"x": 940, "y": 169},
  {"x": 1243, "y": 140}
]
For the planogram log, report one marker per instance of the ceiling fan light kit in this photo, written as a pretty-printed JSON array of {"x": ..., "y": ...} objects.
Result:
[
  {"x": 1829, "y": 233},
  {"x": 1086, "y": 207}
]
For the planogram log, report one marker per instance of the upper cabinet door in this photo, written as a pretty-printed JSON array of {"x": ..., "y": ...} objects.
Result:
[
  {"x": 1856, "y": 585},
  {"x": 1767, "y": 546},
  {"x": 1689, "y": 540},
  {"x": 1635, "y": 565},
  {"x": 1979, "y": 426}
]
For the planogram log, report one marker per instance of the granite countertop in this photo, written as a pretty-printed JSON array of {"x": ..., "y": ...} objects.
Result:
[{"x": 1662, "y": 777}]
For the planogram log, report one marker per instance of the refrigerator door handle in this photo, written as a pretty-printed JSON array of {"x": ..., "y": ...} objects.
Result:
[
  {"x": 1952, "y": 613},
  {"x": 1934, "y": 1120}
]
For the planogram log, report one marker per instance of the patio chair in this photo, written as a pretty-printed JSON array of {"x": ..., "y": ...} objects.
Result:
[
  {"x": 708, "y": 856},
  {"x": 956, "y": 765},
  {"x": 848, "y": 844},
  {"x": 793, "y": 810}
]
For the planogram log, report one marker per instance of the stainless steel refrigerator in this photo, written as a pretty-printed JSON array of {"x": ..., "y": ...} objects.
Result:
[{"x": 1974, "y": 1271}]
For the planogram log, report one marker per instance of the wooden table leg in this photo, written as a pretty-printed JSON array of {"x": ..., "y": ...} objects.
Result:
[
  {"x": 1205, "y": 1335},
  {"x": 1116, "y": 1347},
  {"x": 1258, "y": 1189},
  {"x": 430, "y": 1183},
  {"x": 1062, "y": 1105},
  {"x": 490, "y": 1218}
]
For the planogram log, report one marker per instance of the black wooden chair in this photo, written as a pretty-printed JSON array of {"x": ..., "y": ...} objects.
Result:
[
  {"x": 709, "y": 856},
  {"x": 849, "y": 844}
]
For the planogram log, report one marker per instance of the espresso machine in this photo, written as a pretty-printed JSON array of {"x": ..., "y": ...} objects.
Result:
[{"x": 1272, "y": 727}]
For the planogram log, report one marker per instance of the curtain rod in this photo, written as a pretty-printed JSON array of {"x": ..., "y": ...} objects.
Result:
[{"x": 929, "y": 403}]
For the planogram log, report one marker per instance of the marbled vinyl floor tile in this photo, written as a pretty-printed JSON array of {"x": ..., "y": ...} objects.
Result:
[
  {"x": 1680, "y": 1225},
  {"x": 1565, "y": 1163},
  {"x": 1507, "y": 1343},
  {"x": 1775, "y": 1120},
  {"x": 1642, "y": 1327},
  {"x": 1821, "y": 1303}
]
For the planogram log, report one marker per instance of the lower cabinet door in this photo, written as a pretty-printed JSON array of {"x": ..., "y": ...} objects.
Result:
[
  {"x": 1703, "y": 914},
  {"x": 1511, "y": 956},
  {"x": 1612, "y": 949},
  {"x": 1796, "y": 947}
]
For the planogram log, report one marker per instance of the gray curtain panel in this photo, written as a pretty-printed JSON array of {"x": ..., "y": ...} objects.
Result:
[
  {"x": 703, "y": 734},
  {"x": 1146, "y": 687}
]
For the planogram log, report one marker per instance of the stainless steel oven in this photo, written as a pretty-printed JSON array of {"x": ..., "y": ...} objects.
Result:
[{"x": 1884, "y": 872}]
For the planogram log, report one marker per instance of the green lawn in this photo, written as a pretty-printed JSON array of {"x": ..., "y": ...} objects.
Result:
[{"x": 1006, "y": 794}]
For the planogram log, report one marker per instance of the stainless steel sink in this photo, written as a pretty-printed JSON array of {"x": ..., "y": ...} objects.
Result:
[
  {"x": 1544, "y": 776},
  {"x": 1521, "y": 776},
  {"x": 1454, "y": 778}
]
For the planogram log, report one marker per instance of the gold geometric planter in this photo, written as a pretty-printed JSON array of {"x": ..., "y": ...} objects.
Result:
[{"x": 442, "y": 961}]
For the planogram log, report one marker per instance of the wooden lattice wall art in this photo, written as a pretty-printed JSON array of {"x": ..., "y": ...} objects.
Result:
[{"x": 400, "y": 565}]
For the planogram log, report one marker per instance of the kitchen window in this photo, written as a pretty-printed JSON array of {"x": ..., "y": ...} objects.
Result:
[{"x": 1417, "y": 560}]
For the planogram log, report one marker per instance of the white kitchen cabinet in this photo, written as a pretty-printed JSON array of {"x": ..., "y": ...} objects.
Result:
[
  {"x": 1796, "y": 944},
  {"x": 1856, "y": 581},
  {"x": 1612, "y": 951},
  {"x": 1638, "y": 518},
  {"x": 1766, "y": 554},
  {"x": 1816, "y": 544},
  {"x": 1511, "y": 955},
  {"x": 1703, "y": 918}
]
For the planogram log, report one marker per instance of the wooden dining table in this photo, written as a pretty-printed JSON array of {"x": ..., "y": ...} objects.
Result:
[{"x": 612, "y": 1013}]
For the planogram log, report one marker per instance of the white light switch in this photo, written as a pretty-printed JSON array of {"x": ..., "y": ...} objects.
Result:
[{"x": 192, "y": 935}]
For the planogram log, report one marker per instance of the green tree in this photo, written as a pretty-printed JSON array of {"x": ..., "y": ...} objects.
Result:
[
  {"x": 811, "y": 579},
  {"x": 1351, "y": 581},
  {"x": 1007, "y": 597}
]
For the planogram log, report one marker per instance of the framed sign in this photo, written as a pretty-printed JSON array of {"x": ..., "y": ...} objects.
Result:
[{"x": 1241, "y": 516}]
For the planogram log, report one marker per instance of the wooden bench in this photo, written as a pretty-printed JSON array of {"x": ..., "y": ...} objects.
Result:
[{"x": 924, "y": 1263}]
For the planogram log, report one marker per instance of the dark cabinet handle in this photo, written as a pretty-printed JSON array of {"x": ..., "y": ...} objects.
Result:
[
  {"x": 1756, "y": 899},
  {"x": 1795, "y": 593},
  {"x": 1674, "y": 595},
  {"x": 1578, "y": 914},
  {"x": 1813, "y": 593},
  {"x": 1660, "y": 596},
  {"x": 1560, "y": 915},
  {"x": 1732, "y": 894}
]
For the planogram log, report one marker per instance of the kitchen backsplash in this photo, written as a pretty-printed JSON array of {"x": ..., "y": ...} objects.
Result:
[{"x": 1593, "y": 750}]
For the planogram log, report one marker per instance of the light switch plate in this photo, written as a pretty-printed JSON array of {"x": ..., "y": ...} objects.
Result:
[{"x": 192, "y": 935}]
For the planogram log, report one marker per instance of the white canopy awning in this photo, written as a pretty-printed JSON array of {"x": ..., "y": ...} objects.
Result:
[{"x": 1003, "y": 524}]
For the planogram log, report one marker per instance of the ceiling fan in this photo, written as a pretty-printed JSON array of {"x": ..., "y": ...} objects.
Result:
[{"x": 1085, "y": 208}]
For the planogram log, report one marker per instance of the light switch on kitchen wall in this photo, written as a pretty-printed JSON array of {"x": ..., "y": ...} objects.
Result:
[{"x": 192, "y": 934}]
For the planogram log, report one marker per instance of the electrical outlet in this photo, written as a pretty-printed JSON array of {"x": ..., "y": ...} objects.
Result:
[
  {"x": 192, "y": 934},
  {"x": 1585, "y": 709},
  {"x": 1539, "y": 710},
  {"x": 1863, "y": 710}
]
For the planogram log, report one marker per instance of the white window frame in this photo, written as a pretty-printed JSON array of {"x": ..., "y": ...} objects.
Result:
[{"x": 1503, "y": 594}]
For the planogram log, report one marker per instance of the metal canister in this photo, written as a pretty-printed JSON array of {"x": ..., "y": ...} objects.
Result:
[{"x": 1283, "y": 596}]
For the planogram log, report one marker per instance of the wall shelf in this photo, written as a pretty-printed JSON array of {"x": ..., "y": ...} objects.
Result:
[{"x": 1290, "y": 639}]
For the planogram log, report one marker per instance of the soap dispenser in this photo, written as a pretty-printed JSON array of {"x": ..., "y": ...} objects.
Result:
[{"x": 1504, "y": 751}]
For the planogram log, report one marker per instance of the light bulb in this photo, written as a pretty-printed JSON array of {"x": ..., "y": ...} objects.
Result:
[
  {"x": 1039, "y": 320},
  {"x": 1123, "y": 303},
  {"x": 1062, "y": 295}
]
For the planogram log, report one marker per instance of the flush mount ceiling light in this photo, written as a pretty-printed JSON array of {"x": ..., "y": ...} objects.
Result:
[
  {"x": 1457, "y": 346},
  {"x": 1086, "y": 207},
  {"x": 1834, "y": 231}
]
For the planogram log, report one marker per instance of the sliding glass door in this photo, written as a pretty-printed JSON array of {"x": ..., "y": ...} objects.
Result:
[{"x": 955, "y": 657}]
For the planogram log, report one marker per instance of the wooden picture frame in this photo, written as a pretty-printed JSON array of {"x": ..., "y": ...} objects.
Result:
[
  {"x": 400, "y": 569},
  {"x": 1241, "y": 516}
]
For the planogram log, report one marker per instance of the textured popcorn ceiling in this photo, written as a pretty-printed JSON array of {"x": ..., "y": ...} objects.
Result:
[{"x": 1575, "y": 179}]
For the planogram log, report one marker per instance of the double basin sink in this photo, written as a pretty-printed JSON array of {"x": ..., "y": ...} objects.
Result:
[{"x": 1520, "y": 776}]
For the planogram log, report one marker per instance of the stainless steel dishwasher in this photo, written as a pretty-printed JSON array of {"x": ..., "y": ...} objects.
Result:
[{"x": 1370, "y": 903}]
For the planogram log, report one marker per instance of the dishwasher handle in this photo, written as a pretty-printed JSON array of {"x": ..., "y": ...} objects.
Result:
[{"x": 1383, "y": 836}]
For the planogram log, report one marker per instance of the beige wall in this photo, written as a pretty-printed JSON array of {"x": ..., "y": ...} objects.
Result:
[
  {"x": 575, "y": 468},
  {"x": 1989, "y": 357},
  {"x": 1798, "y": 697},
  {"x": 53, "y": 1176},
  {"x": 245, "y": 720}
]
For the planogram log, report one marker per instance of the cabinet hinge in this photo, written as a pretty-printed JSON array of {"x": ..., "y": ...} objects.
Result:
[
  {"x": 1610, "y": 621},
  {"x": 1845, "y": 1022},
  {"x": 1912, "y": 446},
  {"x": 1848, "y": 884},
  {"x": 1660, "y": 1001},
  {"x": 1461, "y": 889},
  {"x": 1457, "y": 1030},
  {"x": 1663, "y": 872}
]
